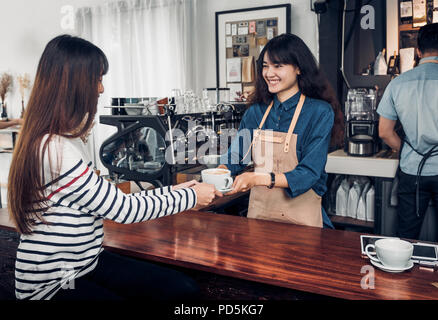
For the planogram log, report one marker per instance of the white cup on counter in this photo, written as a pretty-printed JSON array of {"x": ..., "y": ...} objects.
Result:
[
  {"x": 391, "y": 253},
  {"x": 220, "y": 178}
]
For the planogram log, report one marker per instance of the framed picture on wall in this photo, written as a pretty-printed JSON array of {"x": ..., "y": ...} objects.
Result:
[{"x": 241, "y": 35}]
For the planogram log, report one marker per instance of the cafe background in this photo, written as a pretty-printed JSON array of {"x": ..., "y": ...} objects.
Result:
[
  {"x": 28, "y": 26},
  {"x": 178, "y": 51}
]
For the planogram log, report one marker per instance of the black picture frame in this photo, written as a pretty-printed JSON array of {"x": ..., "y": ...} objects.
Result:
[{"x": 283, "y": 12}]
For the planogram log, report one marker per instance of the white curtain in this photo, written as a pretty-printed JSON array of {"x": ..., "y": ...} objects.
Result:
[{"x": 150, "y": 48}]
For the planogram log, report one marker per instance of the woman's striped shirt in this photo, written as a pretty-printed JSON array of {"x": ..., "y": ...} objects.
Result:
[{"x": 67, "y": 245}]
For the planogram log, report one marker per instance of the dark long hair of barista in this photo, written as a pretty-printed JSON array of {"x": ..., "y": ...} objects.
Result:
[
  {"x": 63, "y": 102},
  {"x": 290, "y": 49}
]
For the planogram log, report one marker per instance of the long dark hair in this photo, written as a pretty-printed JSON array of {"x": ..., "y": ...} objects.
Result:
[
  {"x": 290, "y": 49},
  {"x": 63, "y": 102}
]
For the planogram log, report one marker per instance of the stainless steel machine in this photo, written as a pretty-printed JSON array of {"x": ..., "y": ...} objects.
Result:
[
  {"x": 142, "y": 148},
  {"x": 362, "y": 138}
]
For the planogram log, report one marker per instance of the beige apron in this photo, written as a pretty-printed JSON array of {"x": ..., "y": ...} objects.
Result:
[{"x": 274, "y": 151}]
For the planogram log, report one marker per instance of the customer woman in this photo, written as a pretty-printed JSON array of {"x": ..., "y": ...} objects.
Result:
[
  {"x": 289, "y": 128},
  {"x": 58, "y": 203}
]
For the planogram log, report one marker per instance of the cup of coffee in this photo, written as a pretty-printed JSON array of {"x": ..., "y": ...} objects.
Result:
[
  {"x": 221, "y": 178},
  {"x": 392, "y": 253}
]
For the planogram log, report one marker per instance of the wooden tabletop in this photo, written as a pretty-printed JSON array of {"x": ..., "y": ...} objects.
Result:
[{"x": 320, "y": 261}]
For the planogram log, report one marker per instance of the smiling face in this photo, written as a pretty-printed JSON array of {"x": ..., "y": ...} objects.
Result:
[{"x": 280, "y": 78}]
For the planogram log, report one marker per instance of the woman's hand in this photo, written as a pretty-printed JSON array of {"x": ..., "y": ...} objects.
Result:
[
  {"x": 247, "y": 180},
  {"x": 205, "y": 194},
  {"x": 187, "y": 184}
]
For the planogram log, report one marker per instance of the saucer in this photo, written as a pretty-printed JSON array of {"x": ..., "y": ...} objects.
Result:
[
  {"x": 393, "y": 270},
  {"x": 225, "y": 190}
]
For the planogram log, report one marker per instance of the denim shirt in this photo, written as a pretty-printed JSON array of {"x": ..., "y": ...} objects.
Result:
[
  {"x": 412, "y": 98},
  {"x": 313, "y": 128}
]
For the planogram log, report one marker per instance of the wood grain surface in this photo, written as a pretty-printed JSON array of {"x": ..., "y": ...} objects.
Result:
[{"x": 320, "y": 261}]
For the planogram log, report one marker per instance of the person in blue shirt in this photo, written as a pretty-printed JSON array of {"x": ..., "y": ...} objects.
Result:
[
  {"x": 286, "y": 131},
  {"x": 412, "y": 98}
]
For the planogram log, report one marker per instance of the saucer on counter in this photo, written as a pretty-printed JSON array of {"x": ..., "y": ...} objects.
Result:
[{"x": 393, "y": 270}]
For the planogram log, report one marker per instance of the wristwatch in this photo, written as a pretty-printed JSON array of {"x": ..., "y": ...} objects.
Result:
[{"x": 272, "y": 180}]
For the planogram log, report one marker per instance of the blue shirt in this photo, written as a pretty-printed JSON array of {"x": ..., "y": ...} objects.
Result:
[
  {"x": 412, "y": 97},
  {"x": 313, "y": 128}
]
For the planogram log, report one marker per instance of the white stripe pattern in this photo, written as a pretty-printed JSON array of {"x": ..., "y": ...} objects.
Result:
[{"x": 70, "y": 240}]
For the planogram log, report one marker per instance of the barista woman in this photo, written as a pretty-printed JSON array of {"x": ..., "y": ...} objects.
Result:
[{"x": 288, "y": 128}]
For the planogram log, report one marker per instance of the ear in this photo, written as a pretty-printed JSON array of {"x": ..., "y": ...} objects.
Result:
[{"x": 418, "y": 53}]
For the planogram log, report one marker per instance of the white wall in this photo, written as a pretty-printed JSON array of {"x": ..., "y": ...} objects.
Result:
[
  {"x": 391, "y": 27},
  {"x": 26, "y": 27}
]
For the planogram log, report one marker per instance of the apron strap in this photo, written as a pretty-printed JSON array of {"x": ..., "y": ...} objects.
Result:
[
  {"x": 291, "y": 127},
  {"x": 257, "y": 132},
  {"x": 266, "y": 115},
  {"x": 294, "y": 122}
]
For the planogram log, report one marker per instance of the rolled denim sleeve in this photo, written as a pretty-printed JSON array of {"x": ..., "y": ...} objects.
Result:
[{"x": 314, "y": 156}]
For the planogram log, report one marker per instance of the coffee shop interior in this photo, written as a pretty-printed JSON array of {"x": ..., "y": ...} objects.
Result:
[{"x": 180, "y": 76}]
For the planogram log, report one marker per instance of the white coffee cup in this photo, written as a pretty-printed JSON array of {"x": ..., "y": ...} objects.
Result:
[
  {"x": 221, "y": 178},
  {"x": 393, "y": 253}
]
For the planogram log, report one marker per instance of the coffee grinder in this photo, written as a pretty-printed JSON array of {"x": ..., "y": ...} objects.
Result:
[{"x": 362, "y": 122}]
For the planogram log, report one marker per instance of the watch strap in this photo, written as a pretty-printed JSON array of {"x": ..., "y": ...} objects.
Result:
[{"x": 272, "y": 181}]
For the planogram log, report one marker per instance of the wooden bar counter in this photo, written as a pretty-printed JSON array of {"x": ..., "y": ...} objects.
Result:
[{"x": 319, "y": 261}]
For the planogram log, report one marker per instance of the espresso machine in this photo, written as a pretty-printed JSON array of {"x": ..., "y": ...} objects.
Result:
[
  {"x": 154, "y": 140},
  {"x": 362, "y": 138}
]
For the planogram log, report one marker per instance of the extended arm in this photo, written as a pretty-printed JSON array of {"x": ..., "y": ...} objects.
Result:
[
  {"x": 388, "y": 134},
  {"x": 78, "y": 187}
]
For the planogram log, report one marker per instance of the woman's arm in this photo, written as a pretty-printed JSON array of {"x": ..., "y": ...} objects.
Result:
[
  {"x": 78, "y": 187},
  {"x": 314, "y": 155},
  {"x": 248, "y": 180},
  {"x": 167, "y": 189},
  {"x": 308, "y": 170}
]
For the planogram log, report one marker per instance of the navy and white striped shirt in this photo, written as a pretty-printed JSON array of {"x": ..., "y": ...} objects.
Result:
[{"x": 67, "y": 246}]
